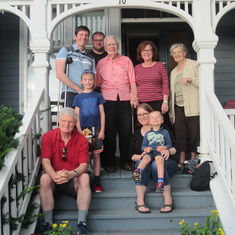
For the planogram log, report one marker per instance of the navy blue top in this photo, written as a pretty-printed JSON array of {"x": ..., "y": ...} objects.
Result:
[
  {"x": 88, "y": 103},
  {"x": 156, "y": 138}
]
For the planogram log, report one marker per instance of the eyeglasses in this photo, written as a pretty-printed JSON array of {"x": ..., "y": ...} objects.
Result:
[
  {"x": 96, "y": 40},
  {"x": 143, "y": 115},
  {"x": 64, "y": 157},
  {"x": 176, "y": 53},
  {"x": 112, "y": 44},
  {"x": 147, "y": 51}
]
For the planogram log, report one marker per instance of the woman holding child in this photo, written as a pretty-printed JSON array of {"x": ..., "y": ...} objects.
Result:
[{"x": 136, "y": 154}]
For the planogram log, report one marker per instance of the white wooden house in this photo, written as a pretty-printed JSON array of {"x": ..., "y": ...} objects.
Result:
[{"x": 32, "y": 32}]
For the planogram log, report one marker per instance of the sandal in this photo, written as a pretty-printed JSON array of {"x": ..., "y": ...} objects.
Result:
[
  {"x": 127, "y": 166},
  {"x": 143, "y": 212},
  {"x": 172, "y": 207},
  {"x": 180, "y": 166}
]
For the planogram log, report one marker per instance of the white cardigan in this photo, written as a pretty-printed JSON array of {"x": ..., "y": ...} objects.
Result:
[{"x": 190, "y": 90}]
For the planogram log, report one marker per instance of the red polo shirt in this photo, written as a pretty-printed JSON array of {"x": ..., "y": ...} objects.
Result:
[{"x": 77, "y": 150}]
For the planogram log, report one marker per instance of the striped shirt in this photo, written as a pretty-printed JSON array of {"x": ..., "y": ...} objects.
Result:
[{"x": 152, "y": 82}]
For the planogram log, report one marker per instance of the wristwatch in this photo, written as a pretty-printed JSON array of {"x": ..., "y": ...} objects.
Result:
[
  {"x": 76, "y": 173},
  {"x": 165, "y": 101}
]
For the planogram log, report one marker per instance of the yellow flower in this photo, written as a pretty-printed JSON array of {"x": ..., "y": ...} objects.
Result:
[
  {"x": 181, "y": 222},
  {"x": 196, "y": 224},
  {"x": 212, "y": 211},
  {"x": 54, "y": 226},
  {"x": 220, "y": 229},
  {"x": 217, "y": 215},
  {"x": 216, "y": 211},
  {"x": 61, "y": 225},
  {"x": 222, "y": 233},
  {"x": 64, "y": 225},
  {"x": 65, "y": 222}
]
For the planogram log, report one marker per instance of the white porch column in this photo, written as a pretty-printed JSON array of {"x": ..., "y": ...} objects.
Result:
[
  {"x": 204, "y": 44},
  {"x": 206, "y": 61},
  {"x": 41, "y": 66},
  {"x": 40, "y": 46}
]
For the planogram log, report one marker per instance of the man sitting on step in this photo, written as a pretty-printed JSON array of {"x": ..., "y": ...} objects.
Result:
[{"x": 65, "y": 157}]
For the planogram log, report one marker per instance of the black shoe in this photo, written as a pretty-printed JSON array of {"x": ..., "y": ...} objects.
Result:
[
  {"x": 82, "y": 228},
  {"x": 44, "y": 228}
]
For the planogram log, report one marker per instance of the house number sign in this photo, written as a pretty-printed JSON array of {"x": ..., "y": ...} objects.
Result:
[{"x": 122, "y": 2}]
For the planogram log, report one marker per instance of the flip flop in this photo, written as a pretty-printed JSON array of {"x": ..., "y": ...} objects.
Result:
[
  {"x": 143, "y": 212},
  {"x": 168, "y": 205}
]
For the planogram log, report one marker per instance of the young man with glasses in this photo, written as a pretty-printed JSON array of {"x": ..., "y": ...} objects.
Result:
[
  {"x": 64, "y": 155},
  {"x": 98, "y": 51}
]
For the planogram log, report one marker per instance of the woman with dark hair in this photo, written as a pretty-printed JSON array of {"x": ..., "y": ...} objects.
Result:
[
  {"x": 136, "y": 154},
  {"x": 151, "y": 78}
]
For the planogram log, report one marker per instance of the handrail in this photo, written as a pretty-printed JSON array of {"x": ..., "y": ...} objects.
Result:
[
  {"x": 231, "y": 114},
  {"x": 222, "y": 150},
  {"x": 22, "y": 160}
]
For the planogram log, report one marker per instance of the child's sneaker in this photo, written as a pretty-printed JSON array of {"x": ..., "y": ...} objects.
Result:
[
  {"x": 136, "y": 176},
  {"x": 98, "y": 189},
  {"x": 160, "y": 188}
]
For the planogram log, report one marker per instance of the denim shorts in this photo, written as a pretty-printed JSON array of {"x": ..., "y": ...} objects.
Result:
[{"x": 153, "y": 154}]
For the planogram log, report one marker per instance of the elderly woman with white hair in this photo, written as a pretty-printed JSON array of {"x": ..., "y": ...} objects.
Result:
[{"x": 184, "y": 102}]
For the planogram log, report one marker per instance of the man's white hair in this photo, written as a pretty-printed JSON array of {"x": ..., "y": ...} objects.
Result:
[
  {"x": 68, "y": 111},
  {"x": 109, "y": 36}
]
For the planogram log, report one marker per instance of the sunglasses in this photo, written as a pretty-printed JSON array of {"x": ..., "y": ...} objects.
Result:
[{"x": 64, "y": 157}]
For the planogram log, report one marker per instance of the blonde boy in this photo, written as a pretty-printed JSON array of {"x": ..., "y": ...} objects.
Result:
[
  {"x": 155, "y": 140},
  {"x": 89, "y": 107}
]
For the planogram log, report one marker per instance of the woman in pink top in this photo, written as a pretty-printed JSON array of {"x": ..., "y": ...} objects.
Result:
[{"x": 152, "y": 79}]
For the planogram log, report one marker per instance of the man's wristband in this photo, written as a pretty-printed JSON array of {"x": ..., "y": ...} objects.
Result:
[
  {"x": 76, "y": 173},
  {"x": 169, "y": 152}
]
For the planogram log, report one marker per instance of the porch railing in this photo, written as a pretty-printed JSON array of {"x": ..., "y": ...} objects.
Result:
[
  {"x": 221, "y": 143},
  {"x": 231, "y": 114},
  {"x": 25, "y": 161}
]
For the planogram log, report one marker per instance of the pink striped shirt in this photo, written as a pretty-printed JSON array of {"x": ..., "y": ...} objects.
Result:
[
  {"x": 152, "y": 82},
  {"x": 115, "y": 77}
]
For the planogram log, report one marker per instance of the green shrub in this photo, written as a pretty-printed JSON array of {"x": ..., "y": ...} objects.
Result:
[{"x": 10, "y": 121}]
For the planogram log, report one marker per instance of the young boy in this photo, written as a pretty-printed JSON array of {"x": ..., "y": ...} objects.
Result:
[
  {"x": 155, "y": 140},
  {"x": 90, "y": 110}
]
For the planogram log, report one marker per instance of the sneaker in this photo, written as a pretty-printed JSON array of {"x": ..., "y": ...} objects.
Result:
[
  {"x": 136, "y": 176},
  {"x": 98, "y": 189},
  {"x": 82, "y": 228},
  {"x": 44, "y": 228},
  {"x": 160, "y": 188}
]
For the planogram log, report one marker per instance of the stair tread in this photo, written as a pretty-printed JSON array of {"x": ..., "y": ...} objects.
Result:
[
  {"x": 125, "y": 213},
  {"x": 113, "y": 193},
  {"x": 139, "y": 231}
]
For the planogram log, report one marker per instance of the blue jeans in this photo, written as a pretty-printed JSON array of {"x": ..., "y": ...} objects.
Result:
[{"x": 170, "y": 167}]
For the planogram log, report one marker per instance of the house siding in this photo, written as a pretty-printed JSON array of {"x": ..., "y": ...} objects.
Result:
[
  {"x": 225, "y": 56},
  {"x": 9, "y": 61}
]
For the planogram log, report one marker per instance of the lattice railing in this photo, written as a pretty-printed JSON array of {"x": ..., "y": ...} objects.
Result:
[
  {"x": 182, "y": 5},
  {"x": 23, "y": 161},
  {"x": 220, "y": 4},
  {"x": 221, "y": 147}
]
